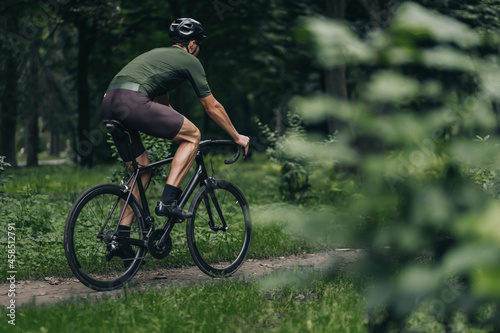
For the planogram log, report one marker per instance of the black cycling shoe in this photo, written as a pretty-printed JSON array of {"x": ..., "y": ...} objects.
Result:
[
  {"x": 167, "y": 206},
  {"x": 124, "y": 252},
  {"x": 172, "y": 210}
]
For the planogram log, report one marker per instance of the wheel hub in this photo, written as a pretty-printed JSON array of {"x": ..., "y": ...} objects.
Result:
[{"x": 108, "y": 237}]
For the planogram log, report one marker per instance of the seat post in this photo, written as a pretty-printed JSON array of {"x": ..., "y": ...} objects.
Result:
[{"x": 135, "y": 165}]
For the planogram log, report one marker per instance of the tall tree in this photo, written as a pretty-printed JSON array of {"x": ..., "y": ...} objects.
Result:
[
  {"x": 10, "y": 75},
  {"x": 87, "y": 17},
  {"x": 31, "y": 128},
  {"x": 8, "y": 111},
  {"x": 335, "y": 78},
  {"x": 86, "y": 39}
]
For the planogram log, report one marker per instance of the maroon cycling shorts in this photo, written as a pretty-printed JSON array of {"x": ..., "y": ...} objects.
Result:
[{"x": 139, "y": 114}]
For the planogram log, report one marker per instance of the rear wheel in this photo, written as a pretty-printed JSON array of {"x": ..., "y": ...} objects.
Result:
[
  {"x": 96, "y": 256},
  {"x": 217, "y": 250}
]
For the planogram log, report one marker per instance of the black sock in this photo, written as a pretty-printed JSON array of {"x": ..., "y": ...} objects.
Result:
[
  {"x": 170, "y": 194},
  {"x": 123, "y": 231}
]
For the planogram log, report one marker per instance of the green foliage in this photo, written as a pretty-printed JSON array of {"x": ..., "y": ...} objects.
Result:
[
  {"x": 38, "y": 223},
  {"x": 428, "y": 89},
  {"x": 295, "y": 170},
  {"x": 480, "y": 14},
  {"x": 486, "y": 174},
  {"x": 3, "y": 179}
]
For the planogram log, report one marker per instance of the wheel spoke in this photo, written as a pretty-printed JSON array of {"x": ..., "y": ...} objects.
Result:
[
  {"x": 89, "y": 256},
  {"x": 219, "y": 252}
]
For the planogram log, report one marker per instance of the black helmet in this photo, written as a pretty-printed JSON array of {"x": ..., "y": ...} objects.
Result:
[{"x": 186, "y": 29}]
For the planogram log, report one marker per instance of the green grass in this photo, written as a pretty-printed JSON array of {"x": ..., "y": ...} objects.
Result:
[
  {"x": 38, "y": 201},
  {"x": 63, "y": 182},
  {"x": 333, "y": 306}
]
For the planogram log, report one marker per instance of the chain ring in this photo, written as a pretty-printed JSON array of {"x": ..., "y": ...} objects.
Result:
[{"x": 155, "y": 251}]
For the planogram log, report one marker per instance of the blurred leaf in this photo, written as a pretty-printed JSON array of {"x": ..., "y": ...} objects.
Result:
[
  {"x": 431, "y": 206},
  {"x": 409, "y": 128},
  {"x": 486, "y": 226},
  {"x": 316, "y": 109},
  {"x": 474, "y": 154},
  {"x": 389, "y": 86},
  {"x": 337, "y": 44},
  {"x": 318, "y": 152},
  {"x": 400, "y": 55},
  {"x": 447, "y": 58},
  {"x": 471, "y": 256},
  {"x": 323, "y": 224},
  {"x": 486, "y": 281},
  {"x": 419, "y": 22},
  {"x": 419, "y": 279},
  {"x": 490, "y": 78},
  {"x": 472, "y": 112}
]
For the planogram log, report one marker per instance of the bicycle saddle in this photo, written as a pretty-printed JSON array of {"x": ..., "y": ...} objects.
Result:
[{"x": 115, "y": 127}]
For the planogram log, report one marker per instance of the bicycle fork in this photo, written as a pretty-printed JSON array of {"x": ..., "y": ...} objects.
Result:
[{"x": 211, "y": 185}]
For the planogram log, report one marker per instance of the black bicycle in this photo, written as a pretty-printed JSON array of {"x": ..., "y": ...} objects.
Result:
[{"x": 218, "y": 234}]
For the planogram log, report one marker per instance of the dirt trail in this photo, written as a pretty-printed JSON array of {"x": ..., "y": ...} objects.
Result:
[{"x": 54, "y": 289}]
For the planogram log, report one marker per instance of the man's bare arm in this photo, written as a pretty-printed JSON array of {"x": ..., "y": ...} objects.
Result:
[{"x": 216, "y": 111}]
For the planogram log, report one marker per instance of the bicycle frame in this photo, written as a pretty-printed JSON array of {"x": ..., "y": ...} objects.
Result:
[{"x": 200, "y": 175}]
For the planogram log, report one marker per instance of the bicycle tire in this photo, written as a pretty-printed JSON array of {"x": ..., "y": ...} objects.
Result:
[
  {"x": 219, "y": 253},
  {"x": 94, "y": 214}
]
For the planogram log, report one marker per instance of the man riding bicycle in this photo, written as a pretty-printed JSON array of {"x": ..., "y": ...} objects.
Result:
[{"x": 138, "y": 97}]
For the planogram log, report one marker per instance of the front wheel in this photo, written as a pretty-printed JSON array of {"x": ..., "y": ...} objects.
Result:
[
  {"x": 95, "y": 254},
  {"x": 220, "y": 231}
]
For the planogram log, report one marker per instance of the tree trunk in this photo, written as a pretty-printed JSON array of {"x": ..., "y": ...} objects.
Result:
[
  {"x": 31, "y": 114},
  {"x": 335, "y": 78},
  {"x": 84, "y": 147},
  {"x": 55, "y": 143},
  {"x": 8, "y": 112},
  {"x": 31, "y": 137},
  {"x": 8, "y": 109}
]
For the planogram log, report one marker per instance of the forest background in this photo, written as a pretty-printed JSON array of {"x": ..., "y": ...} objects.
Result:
[
  {"x": 399, "y": 104},
  {"x": 58, "y": 57}
]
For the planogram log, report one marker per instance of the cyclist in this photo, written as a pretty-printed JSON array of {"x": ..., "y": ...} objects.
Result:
[{"x": 138, "y": 97}]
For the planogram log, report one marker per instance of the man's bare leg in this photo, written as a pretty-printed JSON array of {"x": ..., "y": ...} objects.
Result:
[
  {"x": 125, "y": 251},
  {"x": 128, "y": 215},
  {"x": 188, "y": 139}
]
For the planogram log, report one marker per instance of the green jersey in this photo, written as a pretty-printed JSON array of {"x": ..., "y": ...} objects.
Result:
[{"x": 164, "y": 69}]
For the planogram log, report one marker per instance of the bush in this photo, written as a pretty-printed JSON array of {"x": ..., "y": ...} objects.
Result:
[
  {"x": 39, "y": 227},
  {"x": 3, "y": 179},
  {"x": 295, "y": 170},
  {"x": 486, "y": 176},
  {"x": 427, "y": 91}
]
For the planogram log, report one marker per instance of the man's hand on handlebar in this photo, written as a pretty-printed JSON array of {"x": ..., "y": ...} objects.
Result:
[{"x": 243, "y": 141}]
